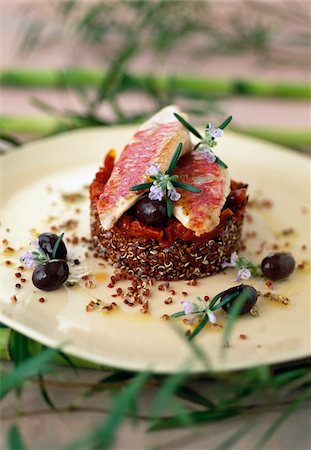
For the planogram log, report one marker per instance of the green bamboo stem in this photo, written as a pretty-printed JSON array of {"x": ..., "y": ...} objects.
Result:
[
  {"x": 187, "y": 85},
  {"x": 42, "y": 125}
]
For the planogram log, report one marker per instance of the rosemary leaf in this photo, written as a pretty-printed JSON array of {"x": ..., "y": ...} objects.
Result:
[
  {"x": 169, "y": 206},
  {"x": 138, "y": 187},
  {"x": 188, "y": 126},
  {"x": 174, "y": 159},
  {"x": 224, "y": 301},
  {"x": 199, "y": 328},
  {"x": 186, "y": 186},
  {"x": 225, "y": 123},
  {"x": 221, "y": 163},
  {"x": 56, "y": 245},
  {"x": 178, "y": 314}
]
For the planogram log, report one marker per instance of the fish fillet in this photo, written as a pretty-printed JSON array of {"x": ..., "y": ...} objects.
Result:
[
  {"x": 201, "y": 212},
  {"x": 154, "y": 142}
]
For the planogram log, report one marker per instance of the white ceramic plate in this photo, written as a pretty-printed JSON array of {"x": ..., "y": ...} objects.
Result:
[{"x": 33, "y": 180}]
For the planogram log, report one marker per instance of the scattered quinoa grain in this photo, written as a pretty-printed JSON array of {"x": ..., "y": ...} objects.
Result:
[
  {"x": 8, "y": 263},
  {"x": 168, "y": 301},
  {"x": 18, "y": 274},
  {"x": 243, "y": 337},
  {"x": 184, "y": 293},
  {"x": 13, "y": 299},
  {"x": 41, "y": 299},
  {"x": 23, "y": 280},
  {"x": 18, "y": 285}
]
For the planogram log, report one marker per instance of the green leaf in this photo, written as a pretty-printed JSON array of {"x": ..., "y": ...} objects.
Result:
[
  {"x": 56, "y": 245},
  {"x": 169, "y": 207},
  {"x": 18, "y": 347},
  {"x": 297, "y": 403},
  {"x": 225, "y": 123},
  {"x": 188, "y": 126},
  {"x": 44, "y": 392},
  {"x": 221, "y": 163},
  {"x": 138, "y": 187},
  {"x": 103, "y": 435},
  {"x": 192, "y": 396},
  {"x": 178, "y": 314},
  {"x": 27, "y": 369},
  {"x": 164, "y": 394},
  {"x": 234, "y": 312},
  {"x": 186, "y": 186},
  {"x": 225, "y": 300},
  {"x": 68, "y": 361},
  {"x": 174, "y": 159},
  {"x": 198, "y": 417},
  {"x": 199, "y": 328},
  {"x": 14, "y": 439},
  {"x": 228, "y": 444}
]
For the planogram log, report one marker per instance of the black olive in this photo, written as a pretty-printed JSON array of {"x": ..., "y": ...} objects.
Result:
[
  {"x": 278, "y": 265},
  {"x": 50, "y": 275},
  {"x": 47, "y": 242},
  {"x": 250, "y": 293},
  {"x": 150, "y": 212}
]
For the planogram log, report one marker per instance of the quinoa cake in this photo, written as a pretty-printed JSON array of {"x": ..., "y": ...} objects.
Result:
[{"x": 166, "y": 209}]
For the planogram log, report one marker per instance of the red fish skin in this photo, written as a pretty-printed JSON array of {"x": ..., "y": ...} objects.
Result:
[{"x": 200, "y": 211}]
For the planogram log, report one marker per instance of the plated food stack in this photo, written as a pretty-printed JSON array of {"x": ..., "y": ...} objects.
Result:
[{"x": 166, "y": 209}]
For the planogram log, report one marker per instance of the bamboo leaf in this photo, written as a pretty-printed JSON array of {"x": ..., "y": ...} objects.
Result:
[
  {"x": 197, "y": 418},
  {"x": 138, "y": 187},
  {"x": 192, "y": 396},
  {"x": 232, "y": 315},
  {"x": 68, "y": 361},
  {"x": 168, "y": 388},
  {"x": 306, "y": 395},
  {"x": 102, "y": 436},
  {"x": 187, "y": 187},
  {"x": 44, "y": 392},
  {"x": 225, "y": 123},
  {"x": 188, "y": 126},
  {"x": 26, "y": 370},
  {"x": 174, "y": 159},
  {"x": 14, "y": 439}
]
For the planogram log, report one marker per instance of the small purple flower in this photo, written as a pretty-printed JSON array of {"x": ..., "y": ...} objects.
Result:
[
  {"x": 28, "y": 260},
  {"x": 155, "y": 193},
  {"x": 188, "y": 307},
  {"x": 243, "y": 274},
  {"x": 173, "y": 194},
  {"x": 35, "y": 243},
  {"x": 233, "y": 260},
  {"x": 209, "y": 155},
  {"x": 153, "y": 169},
  {"x": 214, "y": 132}
]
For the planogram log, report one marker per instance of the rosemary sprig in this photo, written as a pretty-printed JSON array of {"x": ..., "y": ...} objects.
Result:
[
  {"x": 57, "y": 245},
  {"x": 207, "y": 311},
  {"x": 165, "y": 184},
  {"x": 208, "y": 141}
]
